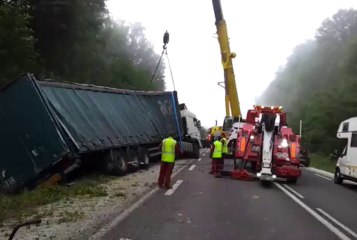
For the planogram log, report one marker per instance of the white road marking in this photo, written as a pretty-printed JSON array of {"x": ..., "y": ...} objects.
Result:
[
  {"x": 331, "y": 227},
  {"x": 295, "y": 192},
  {"x": 199, "y": 159},
  {"x": 323, "y": 176},
  {"x": 174, "y": 187},
  {"x": 192, "y": 167},
  {"x": 100, "y": 234},
  {"x": 337, "y": 222}
]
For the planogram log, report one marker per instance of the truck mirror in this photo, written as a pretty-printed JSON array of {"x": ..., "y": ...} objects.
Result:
[{"x": 199, "y": 124}]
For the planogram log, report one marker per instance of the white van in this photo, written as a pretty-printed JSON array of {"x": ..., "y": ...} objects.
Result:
[{"x": 346, "y": 167}]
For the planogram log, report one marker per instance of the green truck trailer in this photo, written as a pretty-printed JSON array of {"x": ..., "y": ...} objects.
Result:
[{"x": 48, "y": 129}]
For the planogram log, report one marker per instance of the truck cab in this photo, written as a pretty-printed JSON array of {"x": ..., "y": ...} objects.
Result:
[
  {"x": 191, "y": 125},
  {"x": 346, "y": 167}
]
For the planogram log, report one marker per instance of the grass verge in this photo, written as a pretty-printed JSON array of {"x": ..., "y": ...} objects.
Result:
[
  {"x": 24, "y": 205},
  {"x": 322, "y": 162}
]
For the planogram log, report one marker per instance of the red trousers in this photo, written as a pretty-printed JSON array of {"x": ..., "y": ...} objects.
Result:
[
  {"x": 165, "y": 174},
  {"x": 217, "y": 166}
]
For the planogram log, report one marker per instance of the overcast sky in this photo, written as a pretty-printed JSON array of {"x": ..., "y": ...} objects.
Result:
[{"x": 262, "y": 33}]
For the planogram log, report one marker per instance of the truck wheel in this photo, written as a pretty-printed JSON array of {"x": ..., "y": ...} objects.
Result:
[
  {"x": 116, "y": 163},
  {"x": 293, "y": 180},
  {"x": 337, "y": 178},
  {"x": 196, "y": 151},
  {"x": 266, "y": 183}
]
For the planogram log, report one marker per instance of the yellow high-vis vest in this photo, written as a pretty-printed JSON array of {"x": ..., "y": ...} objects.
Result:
[
  {"x": 168, "y": 150},
  {"x": 217, "y": 153},
  {"x": 225, "y": 145}
]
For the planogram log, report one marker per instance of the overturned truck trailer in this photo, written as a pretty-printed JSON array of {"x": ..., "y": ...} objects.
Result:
[{"x": 48, "y": 129}]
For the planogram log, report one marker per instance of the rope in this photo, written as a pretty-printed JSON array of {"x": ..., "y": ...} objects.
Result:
[
  {"x": 172, "y": 77},
  {"x": 157, "y": 65},
  {"x": 177, "y": 122}
]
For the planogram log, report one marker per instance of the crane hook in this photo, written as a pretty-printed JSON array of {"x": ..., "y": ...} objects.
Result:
[{"x": 166, "y": 39}]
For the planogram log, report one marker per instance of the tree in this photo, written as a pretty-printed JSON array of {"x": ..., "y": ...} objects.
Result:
[
  {"x": 17, "y": 53},
  {"x": 318, "y": 82}
]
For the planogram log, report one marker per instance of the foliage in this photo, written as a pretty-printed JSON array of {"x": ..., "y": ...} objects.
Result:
[
  {"x": 318, "y": 83},
  {"x": 23, "y": 205},
  {"x": 76, "y": 41},
  {"x": 17, "y": 53},
  {"x": 322, "y": 162}
]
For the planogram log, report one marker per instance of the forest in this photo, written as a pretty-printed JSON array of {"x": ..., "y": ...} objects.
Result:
[
  {"x": 77, "y": 41},
  {"x": 318, "y": 84}
]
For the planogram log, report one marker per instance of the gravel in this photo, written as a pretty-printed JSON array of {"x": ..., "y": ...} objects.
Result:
[{"x": 80, "y": 218}]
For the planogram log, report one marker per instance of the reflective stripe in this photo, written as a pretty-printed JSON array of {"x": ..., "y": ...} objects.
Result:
[
  {"x": 293, "y": 150},
  {"x": 242, "y": 144}
]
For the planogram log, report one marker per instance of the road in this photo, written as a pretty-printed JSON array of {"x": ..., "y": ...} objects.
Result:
[{"x": 204, "y": 207}]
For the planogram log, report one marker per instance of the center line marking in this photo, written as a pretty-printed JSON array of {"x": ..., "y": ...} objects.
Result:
[
  {"x": 174, "y": 187},
  {"x": 199, "y": 159},
  {"x": 318, "y": 217},
  {"x": 192, "y": 167},
  {"x": 295, "y": 192},
  {"x": 337, "y": 222},
  {"x": 323, "y": 177}
]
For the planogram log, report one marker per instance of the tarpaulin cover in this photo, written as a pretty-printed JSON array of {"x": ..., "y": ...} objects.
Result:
[
  {"x": 40, "y": 122},
  {"x": 29, "y": 140},
  {"x": 98, "y": 118}
]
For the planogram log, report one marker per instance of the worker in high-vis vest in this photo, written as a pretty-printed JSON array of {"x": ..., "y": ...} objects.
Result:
[
  {"x": 167, "y": 162},
  {"x": 224, "y": 142},
  {"x": 216, "y": 156}
]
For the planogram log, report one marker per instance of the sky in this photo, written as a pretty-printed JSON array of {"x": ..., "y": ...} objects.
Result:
[{"x": 262, "y": 33}]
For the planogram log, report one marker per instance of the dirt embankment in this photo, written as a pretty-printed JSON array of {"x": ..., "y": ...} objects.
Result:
[{"x": 81, "y": 215}]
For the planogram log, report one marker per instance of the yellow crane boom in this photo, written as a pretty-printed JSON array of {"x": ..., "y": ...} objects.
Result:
[{"x": 231, "y": 95}]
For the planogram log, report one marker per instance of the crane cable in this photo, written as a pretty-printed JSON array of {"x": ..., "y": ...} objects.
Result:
[
  {"x": 172, "y": 76},
  {"x": 164, "y": 51}
]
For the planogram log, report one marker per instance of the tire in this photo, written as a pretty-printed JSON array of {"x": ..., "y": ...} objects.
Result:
[
  {"x": 144, "y": 158},
  {"x": 337, "y": 178},
  {"x": 307, "y": 164},
  {"x": 196, "y": 151},
  {"x": 293, "y": 180},
  {"x": 133, "y": 158},
  {"x": 116, "y": 163},
  {"x": 265, "y": 183}
]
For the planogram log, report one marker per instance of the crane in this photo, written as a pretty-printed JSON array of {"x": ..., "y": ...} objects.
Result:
[{"x": 233, "y": 112}]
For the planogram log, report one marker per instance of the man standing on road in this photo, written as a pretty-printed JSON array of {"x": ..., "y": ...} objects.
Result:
[
  {"x": 216, "y": 157},
  {"x": 167, "y": 162},
  {"x": 224, "y": 150}
]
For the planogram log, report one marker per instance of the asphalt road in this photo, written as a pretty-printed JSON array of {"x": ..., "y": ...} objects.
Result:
[{"x": 204, "y": 207}]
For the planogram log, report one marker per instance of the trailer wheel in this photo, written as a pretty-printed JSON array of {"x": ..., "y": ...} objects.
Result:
[
  {"x": 133, "y": 158},
  {"x": 337, "y": 178},
  {"x": 144, "y": 158},
  {"x": 116, "y": 163}
]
